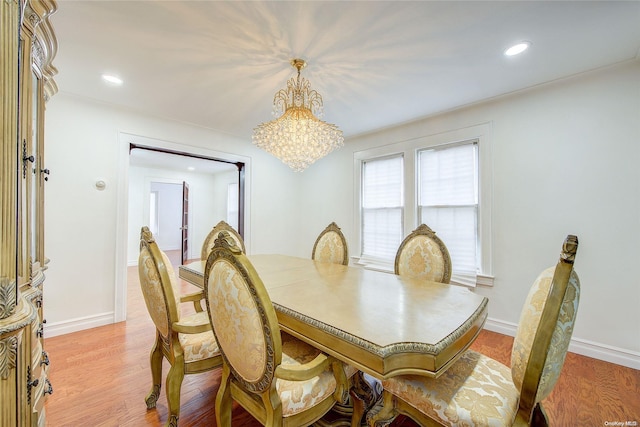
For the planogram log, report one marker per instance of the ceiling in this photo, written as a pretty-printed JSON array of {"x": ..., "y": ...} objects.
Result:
[{"x": 218, "y": 64}]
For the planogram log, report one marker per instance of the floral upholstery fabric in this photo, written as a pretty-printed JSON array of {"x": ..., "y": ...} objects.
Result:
[
  {"x": 175, "y": 285},
  {"x": 152, "y": 291},
  {"x": 475, "y": 391},
  {"x": 422, "y": 257},
  {"x": 529, "y": 320},
  {"x": 198, "y": 346},
  {"x": 329, "y": 248},
  {"x": 236, "y": 321},
  {"x": 298, "y": 396}
]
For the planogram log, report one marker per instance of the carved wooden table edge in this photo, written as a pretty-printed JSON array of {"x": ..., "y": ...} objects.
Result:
[{"x": 293, "y": 322}]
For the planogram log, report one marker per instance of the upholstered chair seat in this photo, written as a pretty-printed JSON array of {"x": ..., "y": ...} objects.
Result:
[
  {"x": 331, "y": 246},
  {"x": 201, "y": 345},
  {"x": 185, "y": 341},
  {"x": 422, "y": 254},
  {"x": 479, "y": 391},
  {"x": 476, "y": 390},
  {"x": 299, "y": 396}
]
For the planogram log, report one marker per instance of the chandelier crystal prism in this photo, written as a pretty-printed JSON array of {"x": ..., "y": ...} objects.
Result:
[{"x": 297, "y": 136}]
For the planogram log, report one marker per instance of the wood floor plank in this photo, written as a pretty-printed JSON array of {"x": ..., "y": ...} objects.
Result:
[{"x": 101, "y": 376}]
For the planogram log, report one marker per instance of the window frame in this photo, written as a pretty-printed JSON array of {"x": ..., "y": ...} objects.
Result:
[{"x": 482, "y": 135}]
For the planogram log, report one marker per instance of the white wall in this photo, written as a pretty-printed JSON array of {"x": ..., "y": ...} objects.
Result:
[
  {"x": 82, "y": 223},
  {"x": 566, "y": 160}
]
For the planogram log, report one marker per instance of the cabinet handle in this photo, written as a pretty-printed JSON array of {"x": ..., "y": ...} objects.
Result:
[
  {"x": 30, "y": 384},
  {"x": 48, "y": 389},
  {"x": 26, "y": 158},
  {"x": 46, "y": 172}
]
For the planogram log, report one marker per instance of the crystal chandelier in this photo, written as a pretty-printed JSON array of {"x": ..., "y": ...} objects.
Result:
[{"x": 297, "y": 136}]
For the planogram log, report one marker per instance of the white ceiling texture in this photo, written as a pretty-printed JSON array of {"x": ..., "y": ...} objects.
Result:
[{"x": 376, "y": 63}]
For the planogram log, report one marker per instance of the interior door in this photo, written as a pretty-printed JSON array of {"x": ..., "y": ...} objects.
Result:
[{"x": 185, "y": 221}]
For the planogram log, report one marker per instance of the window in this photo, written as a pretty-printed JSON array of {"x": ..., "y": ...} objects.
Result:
[
  {"x": 382, "y": 206},
  {"x": 448, "y": 202},
  {"x": 444, "y": 181}
]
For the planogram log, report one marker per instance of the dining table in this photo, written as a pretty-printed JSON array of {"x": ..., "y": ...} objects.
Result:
[{"x": 381, "y": 323}]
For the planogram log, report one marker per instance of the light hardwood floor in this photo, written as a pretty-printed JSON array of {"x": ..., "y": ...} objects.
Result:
[{"x": 101, "y": 376}]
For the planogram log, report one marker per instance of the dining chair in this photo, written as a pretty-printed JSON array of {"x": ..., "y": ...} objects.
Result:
[
  {"x": 478, "y": 390},
  {"x": 422, "y": 254},
  {"x": 278, "y": 379},
  {"x": 208, "y": 241},
  {"x": 331, "y": 246},
  {"x": 185, "y": 341}
]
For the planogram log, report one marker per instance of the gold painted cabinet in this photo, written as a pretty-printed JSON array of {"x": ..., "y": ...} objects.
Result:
[{"x": 28, "y": 45}]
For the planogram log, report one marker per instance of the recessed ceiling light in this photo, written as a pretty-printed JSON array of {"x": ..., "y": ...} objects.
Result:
[
  {"x": 517, "y": 48},
  {"x": 111, "y": 79},
  {"x": 191, "y": 168}
]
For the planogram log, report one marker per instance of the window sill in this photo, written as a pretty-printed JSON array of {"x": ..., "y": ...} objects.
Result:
[
  {"x": 480, "y": 280},
  {"x": 484, "y": 280}
]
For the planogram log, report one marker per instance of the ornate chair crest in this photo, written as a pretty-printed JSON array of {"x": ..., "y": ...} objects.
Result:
[{"x": 208, "y": 243}]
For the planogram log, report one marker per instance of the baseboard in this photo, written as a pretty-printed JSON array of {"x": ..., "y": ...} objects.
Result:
[
  {"x": 501, "y": 327},
  {"x": 619, "y": 356},
  {"x": 77, "y": 324}
]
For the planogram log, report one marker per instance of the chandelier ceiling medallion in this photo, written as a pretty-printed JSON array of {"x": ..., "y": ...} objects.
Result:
[{"x": 297, "y": 136}]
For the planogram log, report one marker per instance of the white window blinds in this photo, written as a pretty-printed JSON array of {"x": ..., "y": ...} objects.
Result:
[
  {"x": 382, "y": 205},
  {"x": 448, "y": 203}
]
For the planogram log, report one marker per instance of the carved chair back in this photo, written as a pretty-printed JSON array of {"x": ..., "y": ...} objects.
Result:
[
  {"x": 423, "y": 254},
  {"x": 545, "y": 329},
  {"x": 331, "y": 246},
  {"x": 242, "y": 316},
  {"x": 159, "y": 284}
]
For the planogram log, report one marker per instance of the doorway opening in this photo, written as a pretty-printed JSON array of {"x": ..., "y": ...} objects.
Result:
[{"x": 217, "y": 189}]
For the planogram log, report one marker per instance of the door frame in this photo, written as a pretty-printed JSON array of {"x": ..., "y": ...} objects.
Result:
[
  {"x": 184, "y": 230},
  {"x": 122, "y": 223}
]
